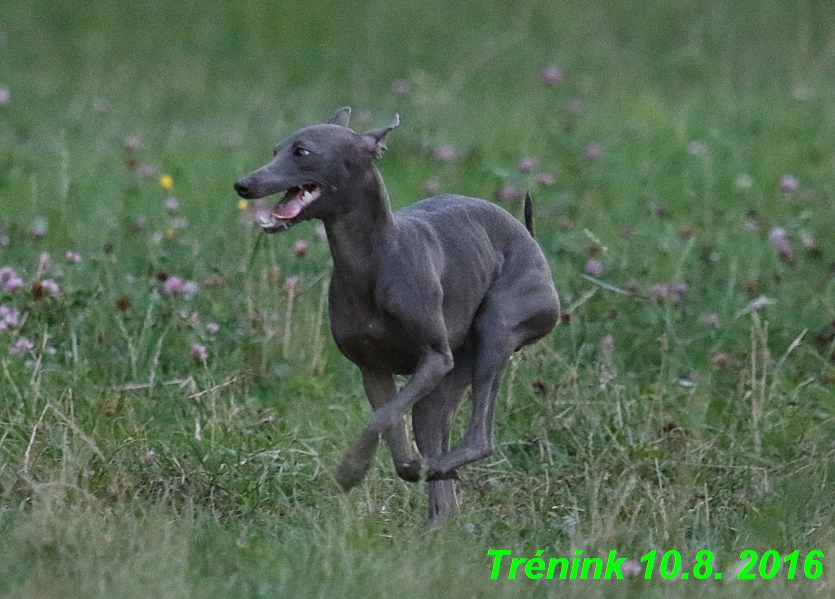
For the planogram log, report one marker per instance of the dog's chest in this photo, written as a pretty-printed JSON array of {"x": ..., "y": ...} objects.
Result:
[{"x": 364, "y": 337}]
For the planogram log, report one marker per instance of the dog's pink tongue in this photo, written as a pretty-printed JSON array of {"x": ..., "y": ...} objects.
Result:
[{"x": 289, "y": 207}]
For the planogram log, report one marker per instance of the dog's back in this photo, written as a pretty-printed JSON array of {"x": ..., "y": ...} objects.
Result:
[
  {"x": 450, "y": 212},
  {"x": 469, "y": 243}
]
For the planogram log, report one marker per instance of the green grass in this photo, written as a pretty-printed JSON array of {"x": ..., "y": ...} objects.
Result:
[{"x": 129, "y": 468}]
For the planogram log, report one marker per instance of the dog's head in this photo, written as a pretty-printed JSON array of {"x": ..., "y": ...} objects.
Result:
[{"x": 311, "y": 166}]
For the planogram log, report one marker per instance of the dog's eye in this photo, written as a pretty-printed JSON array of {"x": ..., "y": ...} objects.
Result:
[{"x": 301, "y": 152}]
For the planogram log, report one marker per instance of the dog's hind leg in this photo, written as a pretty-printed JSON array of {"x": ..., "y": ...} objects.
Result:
[
  {"x": 431, "y": 420},
  {"x": 512, "y": 316}
]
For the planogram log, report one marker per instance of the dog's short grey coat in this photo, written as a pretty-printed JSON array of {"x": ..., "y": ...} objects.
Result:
[{"x": 444, "y": 290}]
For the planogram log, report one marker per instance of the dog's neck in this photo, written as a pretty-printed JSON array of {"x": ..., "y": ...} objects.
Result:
[{"x": 353, "y": 234}]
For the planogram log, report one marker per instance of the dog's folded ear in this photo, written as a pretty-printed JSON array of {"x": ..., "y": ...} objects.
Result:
[
  {"x": 340, "y": 117},
  {"x": 375, "y": 140}
]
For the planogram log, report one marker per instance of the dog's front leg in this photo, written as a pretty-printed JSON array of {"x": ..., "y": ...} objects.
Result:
[
  {"x": 380, "y": 390},
  {"x": 433, "y": 366}
]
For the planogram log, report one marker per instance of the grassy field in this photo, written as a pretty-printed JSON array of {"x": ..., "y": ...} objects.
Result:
[{"x": 172, "y": 406}]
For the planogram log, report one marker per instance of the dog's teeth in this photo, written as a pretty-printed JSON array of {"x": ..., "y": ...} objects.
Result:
[
  {"x": 307, "y": 197},
  {"x": 266, "y": 221}
]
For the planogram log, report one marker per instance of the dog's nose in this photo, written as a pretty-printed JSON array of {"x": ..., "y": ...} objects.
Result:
[{"x": 243, "y": 187}]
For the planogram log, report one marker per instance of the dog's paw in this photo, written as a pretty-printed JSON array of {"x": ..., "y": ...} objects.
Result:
[
  {"x": 346, "y": 479},
  {"x": 418, "y": 470},
  {"x": 442, "y": 474},
  {"x": 349, "y": 475},
  {"x": 410, "y": 471},
  {"x": 357, "y": 462}
]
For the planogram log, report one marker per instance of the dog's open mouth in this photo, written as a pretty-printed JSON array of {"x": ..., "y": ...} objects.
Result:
[{"x": 291, "y": 205}]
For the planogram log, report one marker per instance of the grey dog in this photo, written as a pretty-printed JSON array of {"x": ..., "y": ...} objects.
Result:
[{"x": 444, "y": 290}]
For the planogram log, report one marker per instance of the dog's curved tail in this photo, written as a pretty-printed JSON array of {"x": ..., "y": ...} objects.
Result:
[{"x": 529, "y": 213}]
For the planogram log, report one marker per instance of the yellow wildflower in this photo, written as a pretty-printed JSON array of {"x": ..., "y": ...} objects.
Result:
[
  {"x": 166, "y": 182},
  {"x": 243, "y": 204}
]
